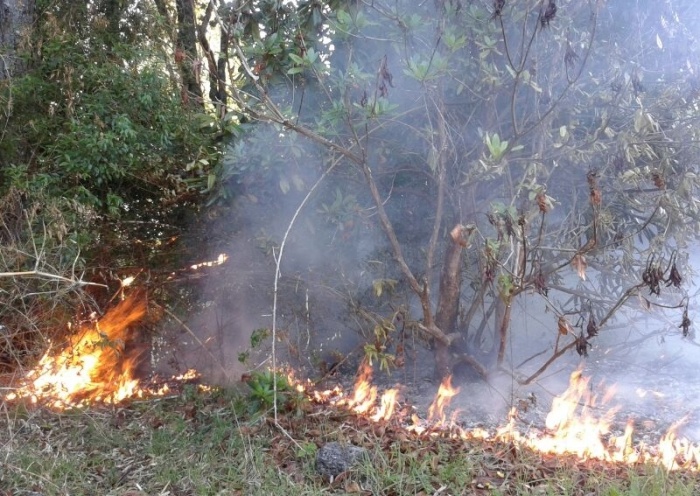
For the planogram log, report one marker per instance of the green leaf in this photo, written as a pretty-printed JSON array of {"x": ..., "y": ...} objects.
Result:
[{"x": 296, "y": 59}]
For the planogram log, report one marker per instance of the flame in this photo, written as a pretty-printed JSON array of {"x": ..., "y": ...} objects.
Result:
[
  {"x": 436, "y": 412},
  {"x": 220, "y": 260},
  {"x": 98, "y": 365},
  {"x": 578, "y": 424},
  {"x": 676, "y": 453},
  {"x": 387, "y": 405},
  {"x": 100, "y": 362},
  {"x": 573, "y": 427},
  {"x": 365, "y": 394}
]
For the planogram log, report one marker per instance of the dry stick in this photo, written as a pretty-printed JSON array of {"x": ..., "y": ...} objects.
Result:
[
  {"x": 280, "y": 119},
  {"x": 278, "y": 261},
  {"x": 194, "y": 336},
  {"x": 48, "y": 275}
]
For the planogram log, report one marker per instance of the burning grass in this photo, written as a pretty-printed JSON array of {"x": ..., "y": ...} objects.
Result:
[
  {"x": 208, "y": 443},
  {"x": 213, "y": 442}
]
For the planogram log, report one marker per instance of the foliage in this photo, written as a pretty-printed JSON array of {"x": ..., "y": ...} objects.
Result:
[
  {"x": 97, "y": 118},
  {"x": 265, "y": 386},
  {"x": 521, "y": 107}
]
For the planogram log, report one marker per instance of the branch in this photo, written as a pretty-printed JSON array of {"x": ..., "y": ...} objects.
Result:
[
  {"x": 621, "y": 301},
  {"x": 55, "y": 277}
]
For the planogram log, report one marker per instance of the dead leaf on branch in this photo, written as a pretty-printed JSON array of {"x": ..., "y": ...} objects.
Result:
[
  {"x": 564, "y": 326},
  {"x": 579, "y": 263}
]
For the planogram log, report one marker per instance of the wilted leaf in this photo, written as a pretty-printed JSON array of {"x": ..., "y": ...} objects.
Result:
[
  {"x": 644, "y": 302},
  {"x": 564, "y": 326},
  {"x": 579, "y": 263},
  {"x": 352, "y": 487}
]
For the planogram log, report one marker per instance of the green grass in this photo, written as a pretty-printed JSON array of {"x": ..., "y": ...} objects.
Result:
[{"x": 209, "y": 444}]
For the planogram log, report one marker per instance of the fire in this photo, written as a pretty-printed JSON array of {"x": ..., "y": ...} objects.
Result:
[
  {"x": 97, "y": 366},
  {"x": 436, "y": 412},
  {"x": 220, "y": 260},
  {"x": 578, "y": 424},
  {"x": 365, "y": 394},
  {"x": 573, "y": 427},
  {"x": 387, "y": 405}
]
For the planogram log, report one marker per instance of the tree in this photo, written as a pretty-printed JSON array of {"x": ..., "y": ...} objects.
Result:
[
  {"x": 492, "y": 115},
  {"x": 15, "y": 19},
  {"x": 101, "y": 159}
]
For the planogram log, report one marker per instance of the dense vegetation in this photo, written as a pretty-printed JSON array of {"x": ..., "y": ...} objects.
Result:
[
  {"x": 496, "y": 147},
  {"x": 464, "y": 155}
]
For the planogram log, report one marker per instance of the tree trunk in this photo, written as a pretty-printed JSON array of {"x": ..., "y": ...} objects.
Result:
[
  {"x": 448, "y": 298},
  {"x": 503, "y": 322},
  {"x": 15, "y": 19},
  {"x": 190, "y": 64}
]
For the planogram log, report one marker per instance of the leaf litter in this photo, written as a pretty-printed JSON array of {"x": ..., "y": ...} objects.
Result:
[{"x": 206, "y": 443}]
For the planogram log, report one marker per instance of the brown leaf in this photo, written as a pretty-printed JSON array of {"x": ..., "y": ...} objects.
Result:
[
  {"x": 579, "y": 263},
  {"x": 352, "y": 487},
  {"x": 658, "y": 180},
  {"x": 564, "y": 326},
  {"x": 644, "y": 302}
]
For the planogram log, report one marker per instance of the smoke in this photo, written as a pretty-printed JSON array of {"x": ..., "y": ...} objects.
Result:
[{"x": 340, "y": 285}]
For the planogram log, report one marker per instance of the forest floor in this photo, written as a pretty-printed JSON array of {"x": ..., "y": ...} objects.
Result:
[{"x": 218, "y": 442}]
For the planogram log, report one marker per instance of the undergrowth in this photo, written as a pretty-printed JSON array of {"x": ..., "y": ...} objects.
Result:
[{"x": 209, "y": 443}]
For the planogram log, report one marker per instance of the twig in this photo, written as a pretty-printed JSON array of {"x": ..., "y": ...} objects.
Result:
[
  {"x": 48, "y": 275},
  {"x": 194, "y": 336},
  {"x": 278, "y": 261}
]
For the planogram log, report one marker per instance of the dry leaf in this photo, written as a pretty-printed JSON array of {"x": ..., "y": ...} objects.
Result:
[
  {"x": 352, "y": 487},
  {"x": 579, "y": 263},
  {"x": 564, "y": 326}
]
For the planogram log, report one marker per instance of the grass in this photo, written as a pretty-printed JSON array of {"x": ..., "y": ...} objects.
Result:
[{"x": 208, "y": 443}]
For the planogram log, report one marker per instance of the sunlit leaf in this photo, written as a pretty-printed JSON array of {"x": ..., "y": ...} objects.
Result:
[{"x": 580, "y": 265}]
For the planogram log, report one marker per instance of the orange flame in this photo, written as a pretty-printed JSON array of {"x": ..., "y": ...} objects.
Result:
[
  {"x": 365, "y": 395},
  {"x": 572, "y": 425},
  {"x": 387, "y": 405},
  {"x": 436, "y": 412},
  {"x": 98, "y": 365},
  {"x": 578, "y": 424}
]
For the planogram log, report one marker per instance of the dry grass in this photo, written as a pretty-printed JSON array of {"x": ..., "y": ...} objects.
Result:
[{"x": 203, "y": 443}]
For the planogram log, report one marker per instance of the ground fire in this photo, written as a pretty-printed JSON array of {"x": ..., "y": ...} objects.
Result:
[
  {"x": 572, "y": 428},
  {"x": 99, "y": 367}
]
